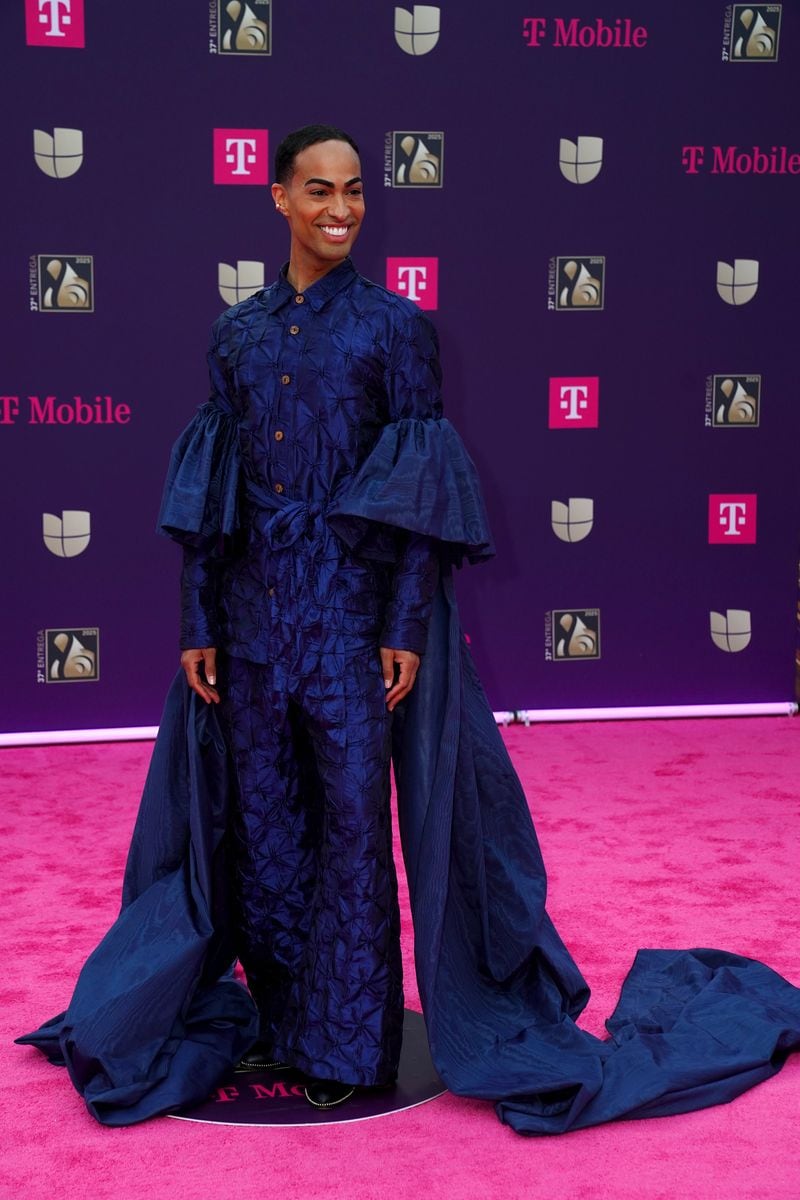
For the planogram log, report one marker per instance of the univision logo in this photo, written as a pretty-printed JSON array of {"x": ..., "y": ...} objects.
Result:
[
  {"x": 737, "y": 284},
  {"x": 580, "y": 161},
  {"x": 240, "y": 282},
  {"x": 60, "y": 153},
  {"x": 417, "y": 32},
  {"x": 573, "y": 521},
  {"x": 731, "y": 632},
  {"x": 66, "y": 536}
]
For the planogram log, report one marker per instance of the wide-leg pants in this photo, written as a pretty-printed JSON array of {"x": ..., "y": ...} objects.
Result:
[{"x": 317, "y": 915}]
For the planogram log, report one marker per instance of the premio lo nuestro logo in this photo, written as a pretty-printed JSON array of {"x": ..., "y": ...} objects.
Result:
[
  {"x": 60, "y": 153},
  {"x": 572, "y": 634},
  {"x": 239, "y": 282},
  {"x": 416, "y": 31},
  {"x": 573, "y": 521},
  {"x": 580, "y": 161},
  {"x": 241, "y": 156},
  {"x": 577, "y": 283},
  {"x": 732, "y": 630},
  {"x": 240, "y": 27},
  {"x": 62, "y": 283},
  {"x": 752, "y": 33},
  {"x": 57, "y": 23},
  {"x": 416, "y": 159},
  {"x": 737, "y": 284},
  {"x": 733, "y": 401},
  {"x": 67, "y": 536},
  {"x": 415, "y": 278},
  {"x": 732, "y": 519},
  {"x": 68, "y": 655}
]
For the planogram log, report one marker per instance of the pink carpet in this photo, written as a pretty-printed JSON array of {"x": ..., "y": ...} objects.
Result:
[{"x": 674, "y": 833}]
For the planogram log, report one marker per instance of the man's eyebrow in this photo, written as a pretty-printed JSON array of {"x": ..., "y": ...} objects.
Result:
[{"x": 327, "y": 183}]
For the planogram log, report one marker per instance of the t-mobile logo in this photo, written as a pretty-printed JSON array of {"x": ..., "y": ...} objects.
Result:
[
  {"x": 54, "y": 22},
  {"x": 732, "y": 520},
  {"x": 241, "y": 153},
  {"x": 412, "y": 281},
  {"x": 54, "y": 14},
  {"x": 574, "y": 403},
  {"x": 241, "y": 156},
  {"x": 416, "y": 278}
]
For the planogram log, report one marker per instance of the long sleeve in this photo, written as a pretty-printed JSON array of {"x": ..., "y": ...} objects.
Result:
[
  {"x": 199, "y": 506},
  {"x": 200, "y": 596},
  {"x": 409, "y": 610}
]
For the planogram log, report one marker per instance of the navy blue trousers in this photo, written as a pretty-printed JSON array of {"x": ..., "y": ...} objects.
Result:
[{"x": 318, "y": 922}]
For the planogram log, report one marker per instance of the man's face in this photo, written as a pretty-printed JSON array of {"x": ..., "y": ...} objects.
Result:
[{"x": 324, "y": 203}]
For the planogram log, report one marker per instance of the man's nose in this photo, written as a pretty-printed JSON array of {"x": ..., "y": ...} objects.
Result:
[{"x": 337, "y": 207}]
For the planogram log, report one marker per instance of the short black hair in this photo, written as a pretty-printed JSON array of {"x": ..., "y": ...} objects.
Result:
[{"x": 301, "y": 139}]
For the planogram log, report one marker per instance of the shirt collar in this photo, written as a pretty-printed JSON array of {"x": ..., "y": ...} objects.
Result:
[{"x": 315, "y": 296}]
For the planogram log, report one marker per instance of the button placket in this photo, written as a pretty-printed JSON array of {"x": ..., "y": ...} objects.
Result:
[{"x": 283, "y": 414}]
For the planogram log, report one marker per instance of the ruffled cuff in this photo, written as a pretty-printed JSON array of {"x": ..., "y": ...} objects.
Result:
[
  {"x": 420, "y": 478},
  {"x": 200, "y": 494}
]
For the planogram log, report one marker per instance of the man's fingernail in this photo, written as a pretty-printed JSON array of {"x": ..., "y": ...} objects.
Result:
[
  {"x": 387, "y": 683},
  {"x": 212, "y": 679}
]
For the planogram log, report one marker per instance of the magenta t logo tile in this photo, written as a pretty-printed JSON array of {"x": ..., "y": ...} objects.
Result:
[
  {"x": 241, "y": 156},
  {"x": 732, "y": 520},
  {"x": 574, "y": 402},
  {"x": 56, "y": 23},
  {"x": 416, "y": 278}
]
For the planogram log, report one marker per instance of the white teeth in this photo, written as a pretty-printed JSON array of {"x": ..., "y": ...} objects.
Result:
[{"x": 334, "y": 230}]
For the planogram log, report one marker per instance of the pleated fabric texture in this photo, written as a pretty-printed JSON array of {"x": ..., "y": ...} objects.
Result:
[
  {"x": 500, "y": 991},
  {"x": 156, "y": 1018},
  {"x": 200, "y": 498}
]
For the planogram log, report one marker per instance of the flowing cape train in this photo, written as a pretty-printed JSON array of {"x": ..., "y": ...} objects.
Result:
[{"x": 156, "y": 1017}]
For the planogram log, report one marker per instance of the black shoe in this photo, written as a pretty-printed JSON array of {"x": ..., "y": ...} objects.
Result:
[
  {"x": 259, "y": 1058},
  {"x": 327, "y": 1093}
]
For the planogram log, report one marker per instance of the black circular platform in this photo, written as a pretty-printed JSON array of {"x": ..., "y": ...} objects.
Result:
[{"x": 270, "y": 1097}]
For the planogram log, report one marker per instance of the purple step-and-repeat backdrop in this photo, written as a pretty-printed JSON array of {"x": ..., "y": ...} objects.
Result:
[{"x": 600, "y": 214}]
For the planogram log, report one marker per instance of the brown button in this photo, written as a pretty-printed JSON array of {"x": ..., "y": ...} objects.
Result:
[
  {"x": 278, "y": 488},
  {"x": 286, "y": 379},
  {"x": 270, "y": 591},
  {"x": 299, "y": 299},
  {"x": 294, "y": 329},
  {"x": 278, "y": 435}
]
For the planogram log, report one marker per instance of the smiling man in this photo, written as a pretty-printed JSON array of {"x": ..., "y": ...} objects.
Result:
[{"x": 325, "y": 401}]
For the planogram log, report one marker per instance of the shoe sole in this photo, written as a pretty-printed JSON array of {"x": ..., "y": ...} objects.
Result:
[
  {"x": 330, "y": 1103},
  {"x": 242, "y": 1067}
]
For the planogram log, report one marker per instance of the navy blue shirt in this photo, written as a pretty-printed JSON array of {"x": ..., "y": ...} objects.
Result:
[{"x": 302, "y": 387}]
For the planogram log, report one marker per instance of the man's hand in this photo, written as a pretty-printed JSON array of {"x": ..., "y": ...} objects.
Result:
[
  {"x": 201, "y": 671},
  {"x": 408, "y": 662}
]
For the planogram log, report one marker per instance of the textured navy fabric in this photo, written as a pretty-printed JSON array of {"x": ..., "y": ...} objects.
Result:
[
  {"x": 315, "y": 396},
  {"x": 303, "y": 388},
  {"x": 147, "y": 1029},
  {"x": 156, "y": 1018},
  {"x": 319, "y": 923},
  {"x": 499, "y": 989}
]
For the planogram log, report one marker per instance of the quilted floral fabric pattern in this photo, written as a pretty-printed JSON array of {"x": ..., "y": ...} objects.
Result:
[{"x": 315, "y": 494}]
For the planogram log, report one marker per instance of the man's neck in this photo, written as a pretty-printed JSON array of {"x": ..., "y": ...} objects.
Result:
[{"x": 301, "y": 275}]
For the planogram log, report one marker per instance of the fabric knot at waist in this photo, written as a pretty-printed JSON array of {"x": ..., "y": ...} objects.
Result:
[{"x": 279, "y": 520}]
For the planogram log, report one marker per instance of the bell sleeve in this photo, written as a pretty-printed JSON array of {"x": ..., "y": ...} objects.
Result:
[
  {"x": 418, "y": 477},
  {"x": 199, "y": 505}
]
